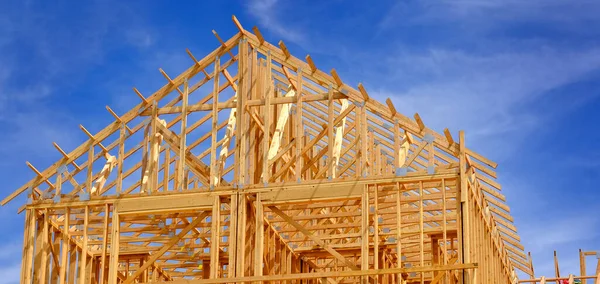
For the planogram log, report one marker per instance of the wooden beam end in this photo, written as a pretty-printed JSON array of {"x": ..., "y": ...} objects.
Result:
[
  {"x": 336, "y": 78},
  {"x": 449, "y": 137},
  {"x": 237, "y": 23},
  {"x": 311, "y": 63},
  {"x": 419, "y": 122},
  {"x": 284, "y": 49},
  {"x": 391, "y": 106},
  {"x": 137, "y": 92},
  {"x": 364, "y": 93},
  {"x": 258, "y": 34}
]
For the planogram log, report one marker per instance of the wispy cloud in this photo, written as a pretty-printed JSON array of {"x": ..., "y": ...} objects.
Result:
[
  {"x": 140, "y": 37},
  {"x": 491, "y": 96},
  {"x": 499, "y": 70},
  {"x": 486, "y": 16},
  {"x": 578, "y": 221},
  {"x": 269, "y": 16},
  {"x": 45, "y": 57},
  {"x": 10, "y": 266}
]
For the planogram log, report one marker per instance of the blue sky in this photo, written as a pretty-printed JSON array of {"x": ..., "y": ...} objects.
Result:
[{"x": 522, "y": 78}]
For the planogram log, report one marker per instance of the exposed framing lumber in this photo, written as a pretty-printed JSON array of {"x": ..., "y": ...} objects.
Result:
[{"x": 290, "y": 203}]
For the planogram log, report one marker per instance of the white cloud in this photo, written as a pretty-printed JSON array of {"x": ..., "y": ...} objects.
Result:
[
  {"x": 490, "y": 96},
  {"x": 140, "y": 37},
  {"x": 567, "y": 226},
  {"x": 267, "y": 11},
  {"x": 11, "y": 274},
  {"x": 10, "y": 262},
  {"x": 491, "y": 13}
]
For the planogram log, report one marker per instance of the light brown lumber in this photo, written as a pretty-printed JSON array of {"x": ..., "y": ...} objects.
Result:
[
  {"x": 312, "y": 237},
  {"x": 331, "y": 274},
  {"x": 165, "y": 247}
]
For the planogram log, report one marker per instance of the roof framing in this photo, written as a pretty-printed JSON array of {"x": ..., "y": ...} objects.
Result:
[{"x": 253, "y": 145}]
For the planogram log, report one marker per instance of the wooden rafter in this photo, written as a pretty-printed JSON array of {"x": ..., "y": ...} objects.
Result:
[{"x": 323, "y": 175}]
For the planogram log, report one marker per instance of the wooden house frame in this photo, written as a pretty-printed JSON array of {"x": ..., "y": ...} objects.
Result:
[{"x": 255, "y": 166}]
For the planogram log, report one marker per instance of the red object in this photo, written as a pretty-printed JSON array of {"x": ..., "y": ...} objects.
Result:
[{"x": 566, "y": 281}]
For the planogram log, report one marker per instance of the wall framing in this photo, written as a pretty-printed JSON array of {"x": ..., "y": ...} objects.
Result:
[{"x": 255, "y": 166}]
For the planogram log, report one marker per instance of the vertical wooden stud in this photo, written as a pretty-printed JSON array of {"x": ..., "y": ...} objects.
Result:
[{"x": 114, "y": 245}]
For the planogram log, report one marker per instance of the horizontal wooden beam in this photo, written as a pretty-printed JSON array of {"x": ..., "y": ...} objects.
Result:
[
  {"x": 282, "y": 188},
  {"x": 329, "y": 274},
  {"x": 249, "y": 103},
  {"x": 150, "y": 204}
]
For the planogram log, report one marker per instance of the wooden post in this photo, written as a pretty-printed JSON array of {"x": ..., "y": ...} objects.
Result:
[
  {"x": 241, "y": 235},
  {"x": 330, "y": 138},
  {"x": 241, "y": 112},
  {"x": 41, "y": 249},
  {"x": 65, "y": 248},
  {"x": 444, "y": 228},
  {"x": 114, "y": 246},
  {"x": 299, "y": 124},
  {"x": 376, "y": 229},
  {"x": 72, "y": 263},
  {"x": 232, "y": 250},
  {"x": 364, "y": 250},
  {"x": 120, "y": 158},
  {"x": 214, "y": 179},
  {"x": 464, "y": 206},
  {"x": 399, "y": 229},
  {"x": 28, "y": 244},
  {"x": 84, "y": 253},
  {"x": 103, "y": 266},
  {"x": 90, "y": 168},
  {"x": 582, "y": 266},
  {"x": 422, "y": 233},
  {"x": 259, "y": 239},
  {"x": 179, "y": 182},
  {"x": 266, "y": 173},
  {"x": 556, "y": 269},
  {"x": 215, "y": 238},
  {"x": 55, "y": 251}
]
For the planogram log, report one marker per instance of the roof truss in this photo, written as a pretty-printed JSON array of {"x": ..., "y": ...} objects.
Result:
[{"x": 250, "y": 116}]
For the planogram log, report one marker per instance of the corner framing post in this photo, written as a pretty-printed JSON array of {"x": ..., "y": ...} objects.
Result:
[
  {"x": 364, "y": 249},
  {"x": 180, "y": 167},
  {"x": 259, "y": 239},
  {"x": 114, "y": 246},
  {"x": 241, "y": 235},
  {"x": 582, "y": 266},
  {"x": 215, "y": 238},
  {"x": 376, "y": 230},
  {"x": 84, "y": 249},
  {"x": 464, "y": 208},
  {"x": 120, "y": 158},
  {"x": 28, "y": 244},
  {"x": 40, "y": 262},
  {"x": 104, "y": 244},
  {"x": 214, "y": 179},
  {"x": 232, "y": 249},
  {"x": 399, "y": 231}
]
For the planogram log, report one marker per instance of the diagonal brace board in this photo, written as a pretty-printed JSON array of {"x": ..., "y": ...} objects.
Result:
[
  {"x": 283, "y": 117},
  {"x": 166, "y": 247},
  {"x": 312, "y": 237},
  {"x": 126, "y": 118},
  {"x": 173, "y": 140}
]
